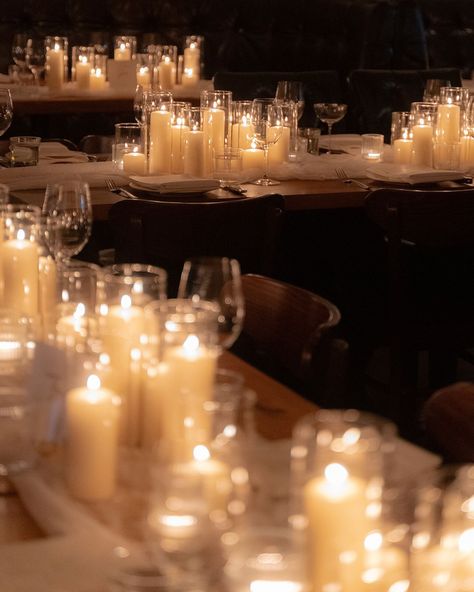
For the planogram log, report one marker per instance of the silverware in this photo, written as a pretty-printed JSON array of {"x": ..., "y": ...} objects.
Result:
[
  {"x": 114, "y": 188},
  {"x": 341, "y": 173},
  {"x": 237, "y": 189}
]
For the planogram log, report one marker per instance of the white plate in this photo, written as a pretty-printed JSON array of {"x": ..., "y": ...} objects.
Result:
[{"x": 156, "y": 191}]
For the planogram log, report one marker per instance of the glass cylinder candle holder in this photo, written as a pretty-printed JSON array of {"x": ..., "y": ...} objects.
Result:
[
  {"x": 180, "y": 125},
  {"x": 217, "y": 110},
  {"x": 194, "y": 149},
  {"x": 193, "y": 54},
  {"x": 144, "y": 70},
  {"x": 424, "y": 120},
  {"x": 167, "y": 62},
  {"x": 82, "y": 62},
  {"x": 339, "y": 459},
  {"x": 158, "y": 116},
  {"x": 372, "y": 147},
  {"x": 56, "y": 61},
  {"x": 453, "y": 102},
  {"x": 129, "y": 138},
  {"x": 401, "y": 136},
  {"x": 242, "y": 128},
  {"x": 285, "y": 146},
  {"x": 443, "y": 542},
  {"x": 125, "y": 47}
]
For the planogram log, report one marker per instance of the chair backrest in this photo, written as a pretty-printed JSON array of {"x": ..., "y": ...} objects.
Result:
[
  {"x": 96, "y": 144},
  {"x": 376, "y": 93},
  {"x": 287, "y": 333},
  {"x": 318, "y": 86},
  {"x": 168, "y": 233}
]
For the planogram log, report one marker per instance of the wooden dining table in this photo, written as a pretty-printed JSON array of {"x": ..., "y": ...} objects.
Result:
[{"x": 277, "y": 409}]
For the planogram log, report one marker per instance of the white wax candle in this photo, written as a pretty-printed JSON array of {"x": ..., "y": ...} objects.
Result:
[
  {"x": 160, "y": 142},
  {"x": 422, "y": 147},
  {"x": 402, "y": 149},
  {"x": 92, "y": 416},
  {"x": 144, "y": 77},
  {"x": 253, "y": 158},
  {"x": 217, "y": 485},
  {"x": 154, "y": 404},
  {"x": 467, "y": 151},
  {"x": 278, "y": 152},
  {"x": 19, "y": 263},
  {"x": 83, "y": 73},
  {"x": 47, "y": 287},
  {"x": 122, "y": 53},
  {"x": 242, "y": 134},
  {"x": 73, "y": 330},
  {"x": 190, "y": 78},
  {"x": 448, "y": 124},
  {"x": 178, "y": 135},
  {"x": 134, "y": 163},
  {"x": 214, "y": 135},
  {"x": 192, "y": 58},
  {"x": 167, "y": 72},
  {"x": 333, "y": 502},
  {"x": 194, "y": 153},
  {"x": 97, "y": 80},
  {"x": 55, "y": 68}
]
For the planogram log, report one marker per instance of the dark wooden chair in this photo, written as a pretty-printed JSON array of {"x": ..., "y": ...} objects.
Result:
[
  {"x": 166, "y": 233},
  {"x": 430, "y": 266},
  {"x": 96, "y": 144},
  {"x": 288, "y": 332}
]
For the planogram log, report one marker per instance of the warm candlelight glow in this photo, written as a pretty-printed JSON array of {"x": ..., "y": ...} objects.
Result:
[{"x": 201, "y": 453}]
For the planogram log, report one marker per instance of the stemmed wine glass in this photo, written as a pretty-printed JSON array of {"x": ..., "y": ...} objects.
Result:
[
  {"x": 68, "y": 209},
  {"x": 6, "y": 110},
  {"x": 267, "y": 119},
  {"x": 291, "y": 90},
  {"x": 35, "y": 57},
  {"x": 216, "y": 280},
  {"x": 330, "y": 113},
  {"x": 19, "y": 45}
]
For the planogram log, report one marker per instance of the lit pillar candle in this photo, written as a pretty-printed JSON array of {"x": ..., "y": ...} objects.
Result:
[
  {"x": 253, "y": 158},
  {"x": 92, "y": 418},
  {"x": 402, "y": 149},
  {"x": 134, "y": 163},
  {"x": 467, "y": 151},
  {"x": 83, "y": 73},
  {"x": 166, "y": 72},
  {"x": 55, "y": 68},
  {"x": 154, "y": 406},
  {"x": 216, "y": 481},
  {"x": 332, "y": 502},
  {"x": 242, "y": 133},
  {"x": 19, "y": 262},
  {"x": 47, "y": 287},
  {"x": 189, "y": 78},
  {"x": 122, "y": 53},
  {"x": 194, "y": 153},
  {"x": 144, "y": 77},
  {"x": 214, "y": 135},
  {"x": 97, "y": 79},
  {"x": 192, "y": 58},
  {"x": 73, "y": 326},
  {"x": 160, "y": 142},
  {"x": 448, "y": 123},
  {"x": 178, "y": 135},
  {"x": 422, "y": 147},
  {"x": 279, "y": 151}
]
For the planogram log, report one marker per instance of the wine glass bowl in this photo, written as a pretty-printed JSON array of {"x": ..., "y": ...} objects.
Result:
[
  {"x": 6, "y": 110},
  {"x": 266, "y": 116},
  {"x": 330, "y": 113},
  {"x": 291, "y": 90},
  {"x": 19, "y": 49},
  {"x": 36, "y": 57}
]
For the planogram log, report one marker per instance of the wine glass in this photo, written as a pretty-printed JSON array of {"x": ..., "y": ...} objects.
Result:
[
  {"x": 432, "y": 89},
  {"x": 19, "y": 45},
  {"x": 330, "y": 113},
  {"x": 68, "y": 208},
  {"x": 291, "y": 90},
  {"x": 35, "y": 57},
  {"x": 217, "y": 280},
  {"x": 138, "y": 104},
  {"x": 267, "y": 117},
  {"x": 6, "y": 110}
]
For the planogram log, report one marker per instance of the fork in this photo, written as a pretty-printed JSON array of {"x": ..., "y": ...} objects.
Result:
[
  {"x": 114, "y": 188},
  {"x": 341, "y": 173}
]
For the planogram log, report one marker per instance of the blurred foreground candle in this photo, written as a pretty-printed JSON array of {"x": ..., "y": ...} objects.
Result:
[
  {"x": 160, "y": 141},
  {"x": 92, "y": 420},
  {"x": 97, "y": 79},
  {"x": 134, "y": 163}
]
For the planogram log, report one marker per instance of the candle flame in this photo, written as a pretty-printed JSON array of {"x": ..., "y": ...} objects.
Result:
[
  {"x": 167, "y": 59},
  {"x": 373, "y": 541},
  {"x": 143, "y": 70},
  {"x": 191, "y": 343},
  {"x": 56, "y": 47},
  {"x": 97, "y": 72},
  {"x": 400, "y": 586},
  {"x": 201, "y": 453},
  {"x": 93, "y": 383},
  {"x": 135, "y": 354},
  {"x": 122, "y": 47},
  {"x": 188, "y": 72},
  {"x": 80, "y": 311},
  {"x": 466, "y": 541},
  {"x": 253, "y": 144},
  {"x": 83, "y": 59},
  {"x": 126, "y": 301},
  {"x": 192, "y": 45},
  {"x": 336, "y": 474},
  {"x": 178, "y": 521},
  {"x": 244, "y": 120},
  {"x": 21, "y": 235},
  {"x": 104, "y": 359}
]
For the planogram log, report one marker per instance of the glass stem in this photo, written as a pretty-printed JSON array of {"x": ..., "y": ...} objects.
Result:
[
  {"x": 329, "y": 137},
  {"x": 265, "y": 154}
]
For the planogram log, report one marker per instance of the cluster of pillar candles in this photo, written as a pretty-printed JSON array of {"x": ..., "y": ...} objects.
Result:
[
  {"x": 178, "y": 138},
  {"x": 435, "y": 134},
  {"x": 146, "y": 381},
  {"x": 159, "y": 66}
]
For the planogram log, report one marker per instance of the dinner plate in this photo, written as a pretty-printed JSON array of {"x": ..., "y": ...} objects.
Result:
[
  {"x": 392, "y": 173},
  {"x": 161, "y": 192}
]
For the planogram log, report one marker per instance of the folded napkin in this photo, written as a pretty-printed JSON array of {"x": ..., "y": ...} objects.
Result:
[
  {"x": 37, "y": 177},
  {"x": 399, "y": 173},
  {"x": 349, "y": 143},
  {"x": 55, "y": 152},
  {"x": 175, "y": 184}
]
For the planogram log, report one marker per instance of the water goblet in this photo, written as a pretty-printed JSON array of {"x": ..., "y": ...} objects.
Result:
[
  {"x": 6, "y": 110},
  {"x": 291, "y": 90},
  {"x": 267, "y": 118},
  {"x": 330, "y": 113}
]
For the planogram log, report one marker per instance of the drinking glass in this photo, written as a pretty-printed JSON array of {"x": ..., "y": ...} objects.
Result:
[
  {"x": 36, "y": 57},
  {"x": 19, "y": 51},
  {"x": 6, "y": 110},
  {"x": 291, "y": 90},
  {"x": 217, "y": 280},
  {"x": 266, "y": 117},
  {"x": 68, "y": 205},
  {"x": 432, "y": 90},
  {"x": 330, "y": 113}
]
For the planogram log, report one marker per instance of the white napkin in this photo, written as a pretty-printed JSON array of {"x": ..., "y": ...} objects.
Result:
[
  {"x": 350, "y": 143},
  {"x": 37, "y": 177},
  {"x": 55, "y": 153},
  {"x": 399, "y": 173},
  {"x": 175, "y": 183}
]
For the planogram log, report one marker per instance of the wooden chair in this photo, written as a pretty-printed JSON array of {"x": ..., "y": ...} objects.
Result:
[
  {"x": 288, "y": 332},
  {"x": 430, "y": 265},
  {"x": 166, "y": 233}
]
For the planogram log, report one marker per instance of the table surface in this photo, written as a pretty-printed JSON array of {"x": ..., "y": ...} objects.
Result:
[{"x": 277, "y": 410}]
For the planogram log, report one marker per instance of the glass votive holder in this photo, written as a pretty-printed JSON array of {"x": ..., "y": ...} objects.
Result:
[
  {"x": 401, "y": 125},
  {"x": 228, "y": 165},
  {"x": 13, "y": 348},
  {"x": 193, "y": 54},
  {"x": 180, "y": 125},
  {"x": 454, "y": 95},
  {"x": 312, "y": 136},
  {"x": 194, "y": 149},
  {"x": 423, "y": 127},
  {"x": 128, "y": 138},
  {"x": 446, "y": 155},
  {"x": 372, "y": 147},
  {"x": 125, "y": 47},
  {"x": 56, "y": 61},
  {"x": 82, "y": 62},
  {"x": 80, "y": 282},
  {"x": 217, "y": 111},
  {"x": 144, "y": 70},
  {"x": 24, "y": 150},
  {"x": 242, "y": 128},
  {"x": 167, "y": 56}
]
